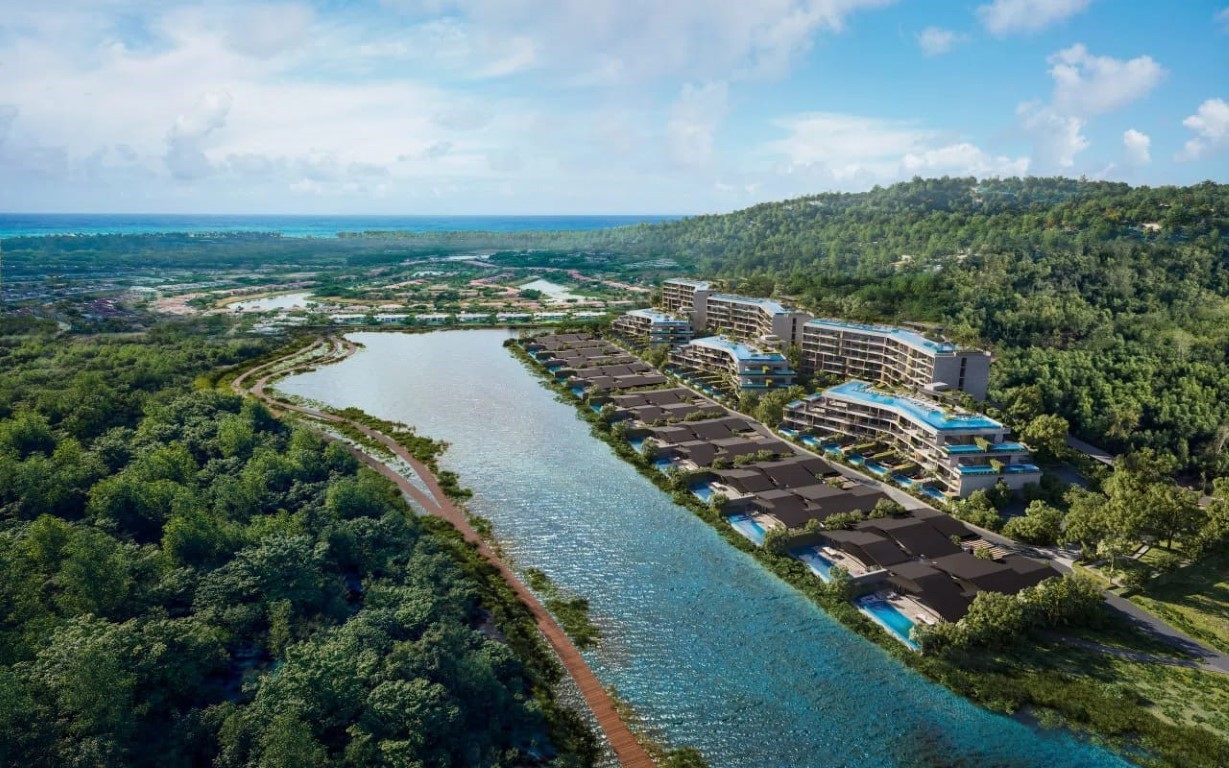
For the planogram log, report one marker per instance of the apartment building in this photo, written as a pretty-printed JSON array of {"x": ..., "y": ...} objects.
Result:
[
  {"x": 732, "y": 366},
  {"x": 744, "y": 317},
  {"x": 645, "y": 326},
  {"x": 685, "y": 298},
  {"x": 957, "y": 450},
  {"x": 892, "y": 356}
]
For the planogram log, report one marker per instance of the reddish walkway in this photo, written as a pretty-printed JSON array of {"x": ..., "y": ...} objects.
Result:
[{"x": 626, "y": 748}]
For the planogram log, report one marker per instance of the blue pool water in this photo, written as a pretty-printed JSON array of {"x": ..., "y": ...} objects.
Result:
[
  {"x": 876, "y": 467},
  {"x": 662, "y": 464},
  {"x": 578, "y": 391},
  {"x": 748, "y": 527},
  {"x": 702, "y": 492},
  {"x": 886, "y": 615},
  {"x": 934, "y": 493},
  {"x": 819, "y": 565},
  {"x": 903, "y": 480},
  {"x": 811, "y": 441},
  {"x": 857, "y": 460},
  {"x": 637, "y": 444},
  {"x": 708, "y": 647}
]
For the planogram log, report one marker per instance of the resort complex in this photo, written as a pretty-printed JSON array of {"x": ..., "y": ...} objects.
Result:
[
  {"x": 914, "y": 440},
  {"x": 892, "y": 356},
  {"x": 645, "y": 326},
  {"x": 905, "y": 566},
  {"x": 731, "y": 366},
  {"x": 892, "y": 416}
]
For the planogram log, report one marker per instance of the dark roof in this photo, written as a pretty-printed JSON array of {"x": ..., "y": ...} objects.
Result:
[
  {"x": 1008, "y": 577},
  {"x": 944, "y": 523},
  {"x": 867, "y": 547},
  {"x": 789, "y": 474},
  {"x": 932, "y": 587},
  {"x": 745, "y": 480},
  {"x": 917, "y": 537}
]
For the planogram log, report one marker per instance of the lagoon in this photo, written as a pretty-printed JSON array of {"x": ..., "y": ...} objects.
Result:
[
  {"x": 280, "y": 301},
  {"x": 709, "y": 648}
]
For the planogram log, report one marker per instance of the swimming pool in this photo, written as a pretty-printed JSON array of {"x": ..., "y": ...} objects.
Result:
[
  {"x": 934, "y": 493},
  {"x": 885, "y": 615},
  {"x": 661, "y": 465},
  {"x": 578, "y": 391},
  {"x": 876, "y": 467},
  {"x": 903, "y": 480},
  {"x": 702, "y": 492},
  {"x": 856, "y": 460},
  {"x": 637, "y": 444},
  {"x": 747, "y": 526},
  {"x": 819, "y": 565}
]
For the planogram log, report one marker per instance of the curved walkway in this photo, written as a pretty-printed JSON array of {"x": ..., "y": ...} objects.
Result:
[{"x": 626, "y": 748}]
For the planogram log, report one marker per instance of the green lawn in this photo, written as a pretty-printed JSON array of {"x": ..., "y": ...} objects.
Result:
[{"x": 1194, "y": 599}]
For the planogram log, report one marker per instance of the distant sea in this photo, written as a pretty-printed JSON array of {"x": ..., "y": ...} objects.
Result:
[{"x": 38, "y": 224}]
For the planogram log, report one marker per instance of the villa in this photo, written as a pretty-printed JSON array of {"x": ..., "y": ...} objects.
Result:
[
  {"x": 645, "y": 326},
  {"x": 959, "y": 450},
  {"x": 732, "y": 366},
  {"x": 892, "y": 356}
]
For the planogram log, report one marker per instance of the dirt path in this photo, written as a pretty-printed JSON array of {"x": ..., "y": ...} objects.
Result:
[{"x": 628, "y": 750}]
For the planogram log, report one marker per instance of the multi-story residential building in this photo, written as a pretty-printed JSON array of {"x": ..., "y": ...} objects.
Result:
[
  {"x": 732, "y": 366},
  {"x": 646, "y": 326},
  {"x": 892, "y": 356},
  {"x": 958, "y": 450},
  {"x": 749, "y": 318},
  {"x": 685, "y": 297}
]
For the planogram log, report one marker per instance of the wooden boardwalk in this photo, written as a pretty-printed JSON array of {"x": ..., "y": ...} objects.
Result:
[{"x": 626, "y": 748}]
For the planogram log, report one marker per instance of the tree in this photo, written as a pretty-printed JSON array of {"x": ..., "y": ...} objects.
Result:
[
  {"x": 842, "y": 521},
  {"x": 1047, "y": 434},
  {"x": 1041, "y": 524},
  {"x": 886, "y": 508}
]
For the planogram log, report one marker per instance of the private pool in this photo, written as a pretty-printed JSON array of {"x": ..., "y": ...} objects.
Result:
[
  {"x": 885, "y": 615},
  {"x": 661, "y": 465},
  {"x": 637, "y": 444},
  {"x": 702, "y": 492},
  {"x": 903, "y": 480},
  {"x": 819, "y": 565},
  {"x": 876, "y": 467},
  {"x": 747, "y": 526},
  {"x": 856, "y": 460},
  {"x": 934, "y": 493},
  {"x": 578, "y": 391}
]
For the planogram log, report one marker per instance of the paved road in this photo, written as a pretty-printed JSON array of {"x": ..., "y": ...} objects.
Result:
[
  {"x": 1209, "y": 658},
  {"x": 626, "y": 748}
]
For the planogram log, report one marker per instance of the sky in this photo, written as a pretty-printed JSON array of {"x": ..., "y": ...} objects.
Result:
[{"x": 592, "y": 106}]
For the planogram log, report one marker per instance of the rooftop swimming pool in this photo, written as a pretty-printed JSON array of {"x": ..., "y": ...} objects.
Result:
[
  {"x": 885, "y": 615},
  {"x": 748, "y": 527},
  {"x": 819, "y": 565}
]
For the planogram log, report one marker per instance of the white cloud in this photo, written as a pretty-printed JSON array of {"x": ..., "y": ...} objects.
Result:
[
  {"x": 1087, "y": 85},
  {"x": 935, "y": 41},
  {"x": 1222, "y": 18},
  {"x": 694, "y": 118},
  {"x": 267, "y": 30},
  {"x": 1138, "y": 147},
  {"x": 1005, "y": 17},
  {"x": 866, "y": 150},
  {"x": 1211, "y": 126},
  {"x": 963, "y": 159},
  {"x": 185, "y": 157},
  {"x": 1058, "y": 138}
]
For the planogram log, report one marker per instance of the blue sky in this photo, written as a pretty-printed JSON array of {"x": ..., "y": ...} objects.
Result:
[{"x": 592, "y": 106}]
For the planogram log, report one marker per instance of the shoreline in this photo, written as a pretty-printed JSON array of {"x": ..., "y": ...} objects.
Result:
[{"x": 621, "y": 739}]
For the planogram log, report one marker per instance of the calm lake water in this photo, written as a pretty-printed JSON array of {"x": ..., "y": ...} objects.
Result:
[
  {"x": 711, "y": 649},
  {"x": 283, "y": 301},
  {"x": 557, "y": 293}
]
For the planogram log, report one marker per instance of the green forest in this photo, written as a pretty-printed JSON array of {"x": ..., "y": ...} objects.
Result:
[{"x": 187, "y": 580}]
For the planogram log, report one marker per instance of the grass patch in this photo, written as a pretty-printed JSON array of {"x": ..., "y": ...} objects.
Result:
[
  {"x": 1195, "y": 599},
  {"x": 572, "y": 613}
]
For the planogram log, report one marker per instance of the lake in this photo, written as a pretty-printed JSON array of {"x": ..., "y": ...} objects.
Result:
[{"x": 709, "y": 648}]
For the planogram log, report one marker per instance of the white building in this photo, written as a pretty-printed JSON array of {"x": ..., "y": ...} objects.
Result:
[
  {"x": 732, "y": 366},
  {"x": 656, "y": 328},
  {"x": 892, "y": 356},
  {"x": 956, "y": 450}
]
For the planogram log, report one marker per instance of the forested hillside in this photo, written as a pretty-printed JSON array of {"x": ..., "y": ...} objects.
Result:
[
  {"x": 187, "y": 580},
  {"x": 1104, "y": 303}
]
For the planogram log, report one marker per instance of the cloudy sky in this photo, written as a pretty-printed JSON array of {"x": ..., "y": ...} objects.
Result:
[{"x": 591, "y": 106}]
